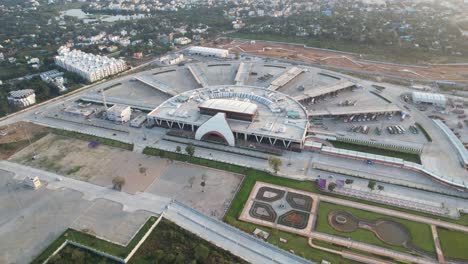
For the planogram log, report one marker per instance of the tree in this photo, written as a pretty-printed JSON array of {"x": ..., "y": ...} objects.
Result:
[
  {"x": 203, "y": 182},
  {"x": 178, "y": 149},
  {"x": 201, "y": 252},
  {"x": 275, "y": 163},
  {"x": 349, "y": 181},
  {"x": 331, "y": 186},
  {"x": 380, "y": 187},
  {"x": 190, "y": 149},
  {"x": 118, "y": 183},
  {"x": 371, "y": 185}
]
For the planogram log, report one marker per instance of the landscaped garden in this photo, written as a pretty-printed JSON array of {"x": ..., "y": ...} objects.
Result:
[{"x": 420, "y": 233}]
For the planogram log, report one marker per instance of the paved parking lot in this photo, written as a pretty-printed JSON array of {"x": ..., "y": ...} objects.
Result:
[
  {"x": 30, "y": 220},
  {"x": 106, "y": 219}
]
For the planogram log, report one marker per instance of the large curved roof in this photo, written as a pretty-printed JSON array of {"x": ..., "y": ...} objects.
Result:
[{"x": 273, "y": 110}]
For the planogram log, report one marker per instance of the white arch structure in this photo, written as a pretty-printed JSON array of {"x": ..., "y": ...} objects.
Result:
[{"x": 217, "y": 125}]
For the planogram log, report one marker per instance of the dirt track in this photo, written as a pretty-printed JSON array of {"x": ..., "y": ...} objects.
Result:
[{"x": 456, "y": 73}]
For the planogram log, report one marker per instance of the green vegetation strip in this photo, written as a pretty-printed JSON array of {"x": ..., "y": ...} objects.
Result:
[
  {"x": 93, "y": 242},
  {"x": 86, "y": 137},
  {"x": 426, "y": 134},
  {"x": 453, "y": 243},
  {"x": 378, "y": 151},
  {"x": 169, "y": 243},
  {"x": 420, "y": 233}
]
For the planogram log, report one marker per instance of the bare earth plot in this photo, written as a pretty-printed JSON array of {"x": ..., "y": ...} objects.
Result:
[
  {"x": 73, "y": 158},
  {"x": 297, "y": 52},
  {"x": 182, "y": 181}
]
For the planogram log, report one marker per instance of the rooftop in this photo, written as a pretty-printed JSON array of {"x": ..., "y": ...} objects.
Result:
[
  {"x": 229, "y": 105},
  {"x": 271, "y": 119},
  {"x": 21, "y": 93}
]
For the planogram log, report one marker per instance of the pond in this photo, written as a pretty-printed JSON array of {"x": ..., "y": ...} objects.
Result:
[{"x": 87, "y": 18}]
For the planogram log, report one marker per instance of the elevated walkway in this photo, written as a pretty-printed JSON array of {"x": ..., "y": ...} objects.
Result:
[
  {"x": 198, "y": 75},
  {"x": 285, "y": 78},
  {"x": 158, "y": 85},
  {"x": 242, "y": 73}
]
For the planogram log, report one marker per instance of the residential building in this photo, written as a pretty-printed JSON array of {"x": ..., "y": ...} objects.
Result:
[
  {"x": 89, "y": 66},
  {"x": 22, "y": 98}
]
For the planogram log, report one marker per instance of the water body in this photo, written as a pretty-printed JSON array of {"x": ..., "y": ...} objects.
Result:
[{"x": 87, "y": 18}]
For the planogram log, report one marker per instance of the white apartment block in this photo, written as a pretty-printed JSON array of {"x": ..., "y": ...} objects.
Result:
[
  {"x": 22, "y": 98},
  {"x": 172, "y": 59},
  {"x": 182, "y": 41},
  {"x": 89, "y": 66}
]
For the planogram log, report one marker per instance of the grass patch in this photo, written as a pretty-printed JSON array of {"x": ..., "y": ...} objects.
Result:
[
  {"x": 93, "y": 242},
  {"x": 75, "y": 169},
  {"x": 378, "y": 151},
  {"x": 169, "y": 243},
  {"x": 453, "y": 243},
  {"x": 421, "y": 235},
  {"x": 426, "y": 134},
  {"x": 85, "y": 137}
]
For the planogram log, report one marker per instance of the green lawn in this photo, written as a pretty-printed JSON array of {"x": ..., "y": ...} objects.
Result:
[
  {"x": 92, "y": 241},
  {"x": 378, "y": 151},
  {"x": 454, "y": 243},
  {"x": 420, "y": 233}
]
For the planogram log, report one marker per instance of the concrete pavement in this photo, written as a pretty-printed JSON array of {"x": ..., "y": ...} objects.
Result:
[{"x": 227, "y": 237}]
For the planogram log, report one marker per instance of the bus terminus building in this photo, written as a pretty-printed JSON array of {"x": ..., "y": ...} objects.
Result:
[{"x": 235, "y": 115}]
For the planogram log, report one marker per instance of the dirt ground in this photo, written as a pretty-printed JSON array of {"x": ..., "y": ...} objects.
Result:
[
  {"x": 73, "y": 158},
  {"x": 20, "y": 131},
  {"x": 17, "y": 136},
  {"x": 182, "y": 181},
  {"x": 458, "y": 73}
]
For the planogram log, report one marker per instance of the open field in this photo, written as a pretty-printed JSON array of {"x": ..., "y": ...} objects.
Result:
[
  {"x": 420, "y": 233},
  {"x": 18, "y": 136},
  {"x": 73, "y": 158},
  {"x": 329, "y": 58},
  {"x": 453, "y": 243}
]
